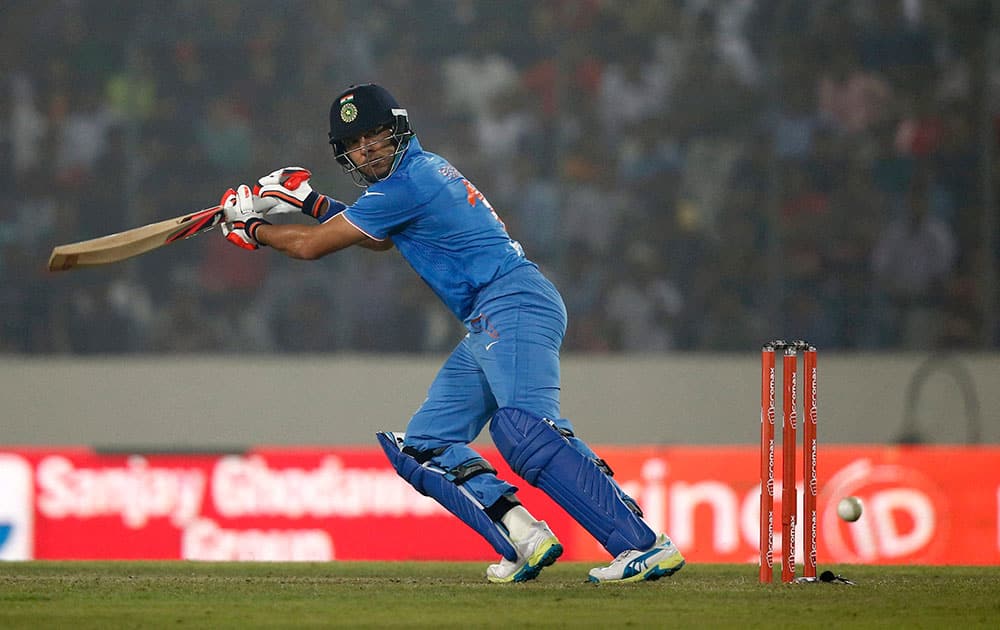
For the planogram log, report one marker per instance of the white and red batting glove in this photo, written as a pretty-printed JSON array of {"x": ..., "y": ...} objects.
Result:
[
  {"x": 289, "y": 187},
  {"x": 241, "y": 219}
]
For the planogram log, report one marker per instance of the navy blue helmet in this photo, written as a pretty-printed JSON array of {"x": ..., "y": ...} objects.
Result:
[{"x": 364, "y": 108}]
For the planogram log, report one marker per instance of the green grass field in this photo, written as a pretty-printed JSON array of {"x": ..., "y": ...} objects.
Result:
[{"x": 82, "y": 595}]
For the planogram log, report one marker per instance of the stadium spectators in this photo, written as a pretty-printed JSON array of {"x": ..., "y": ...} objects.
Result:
[{"x": 710, "y": 172}]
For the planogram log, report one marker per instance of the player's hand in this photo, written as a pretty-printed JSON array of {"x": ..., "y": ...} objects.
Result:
[
  {"x": 241, "y": 219},
  {"x": 289, "y": 187}
]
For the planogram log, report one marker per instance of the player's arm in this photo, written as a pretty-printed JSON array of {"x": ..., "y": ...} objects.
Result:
[
  {"x": 290, "y": 186},
  {"x": 376, "y": 246},
  {"x": 246, "y": 227},
  {"x": 309, "y": 242},
  {"x": 288, "y": 189}
]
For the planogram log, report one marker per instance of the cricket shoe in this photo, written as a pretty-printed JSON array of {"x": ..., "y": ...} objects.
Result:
[
  {"x": 537, "y": 551},
  {"x": 662, "y": 559}
]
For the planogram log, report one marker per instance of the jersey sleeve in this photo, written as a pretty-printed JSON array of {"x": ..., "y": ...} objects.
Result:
[{"x": 384, "y": 208}]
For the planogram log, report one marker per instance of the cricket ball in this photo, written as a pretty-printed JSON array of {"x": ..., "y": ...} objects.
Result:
[{"x": 849, "y": 509}]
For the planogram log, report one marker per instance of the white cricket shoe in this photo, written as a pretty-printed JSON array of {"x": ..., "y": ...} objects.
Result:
[
  {"x": 537, "y": 551},
  {"x": 662, "y": 559}
]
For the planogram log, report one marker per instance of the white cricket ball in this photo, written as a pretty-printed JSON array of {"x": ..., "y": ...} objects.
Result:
[{"x": 849, "y": 509}]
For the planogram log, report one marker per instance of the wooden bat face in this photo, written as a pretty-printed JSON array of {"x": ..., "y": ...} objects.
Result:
[{"x": 116, "y": 247}]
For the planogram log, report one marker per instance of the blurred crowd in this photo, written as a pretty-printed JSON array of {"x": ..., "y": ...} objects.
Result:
[{"x": 695, "y": 175}]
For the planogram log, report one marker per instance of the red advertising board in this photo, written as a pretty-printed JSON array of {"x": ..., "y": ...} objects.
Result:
[{"x": 923, "y": 505}]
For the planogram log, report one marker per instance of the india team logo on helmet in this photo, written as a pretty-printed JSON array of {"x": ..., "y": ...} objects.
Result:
[{"x": 348, "y": 110}]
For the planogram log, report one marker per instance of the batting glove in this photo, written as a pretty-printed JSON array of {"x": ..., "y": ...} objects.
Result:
[
  {"x": 241, "y": 219},
  {"x": 289, "y": 186}
]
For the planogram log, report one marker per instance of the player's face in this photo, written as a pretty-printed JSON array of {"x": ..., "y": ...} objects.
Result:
[{"x": 372, "y": 151}]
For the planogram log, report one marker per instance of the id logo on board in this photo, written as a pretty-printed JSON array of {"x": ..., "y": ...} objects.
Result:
[{"x": 16, "y": 508}]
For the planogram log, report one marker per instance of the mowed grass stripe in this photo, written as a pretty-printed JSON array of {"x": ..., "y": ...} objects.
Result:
[{"x": 82, "y": 595}]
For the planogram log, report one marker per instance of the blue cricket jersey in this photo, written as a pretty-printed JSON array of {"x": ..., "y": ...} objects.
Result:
[{"x": 442, "y": 225}]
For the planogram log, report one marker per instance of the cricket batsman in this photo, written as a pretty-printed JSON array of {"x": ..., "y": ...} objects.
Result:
[{"x": 504, "y": 372}]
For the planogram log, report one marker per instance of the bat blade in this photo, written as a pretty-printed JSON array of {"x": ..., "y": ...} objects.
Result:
[{"x": 123, "y": 245}]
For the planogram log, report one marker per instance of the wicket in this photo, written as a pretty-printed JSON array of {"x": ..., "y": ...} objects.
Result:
[{"x": 789, "y": 486}]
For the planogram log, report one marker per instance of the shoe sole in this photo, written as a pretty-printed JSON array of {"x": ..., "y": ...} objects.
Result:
[
  {"x": 544, "y": 556},
  {"x": 651, "y": 574}
]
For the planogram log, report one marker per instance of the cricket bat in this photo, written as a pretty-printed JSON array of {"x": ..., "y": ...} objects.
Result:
[{"x": 123, "y": 245}]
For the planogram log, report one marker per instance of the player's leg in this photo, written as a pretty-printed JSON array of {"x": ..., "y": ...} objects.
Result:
[
  {"x": 435, "y": 457},
  {"x": 563, "y": 426},
  {"x": 543, "y": 454},
  {"x": 517, "y": 343},
  {"x": 515, "y": 339},
  {"x": 521, "y": 363}
]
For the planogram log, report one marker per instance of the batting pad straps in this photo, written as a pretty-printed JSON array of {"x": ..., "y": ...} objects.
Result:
[
  {"x": 544, "y": 456},
  {"x": 458, "y": 474},
  {"x": 443, "y": 486},
  {"x": 468, "y": 470}
]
